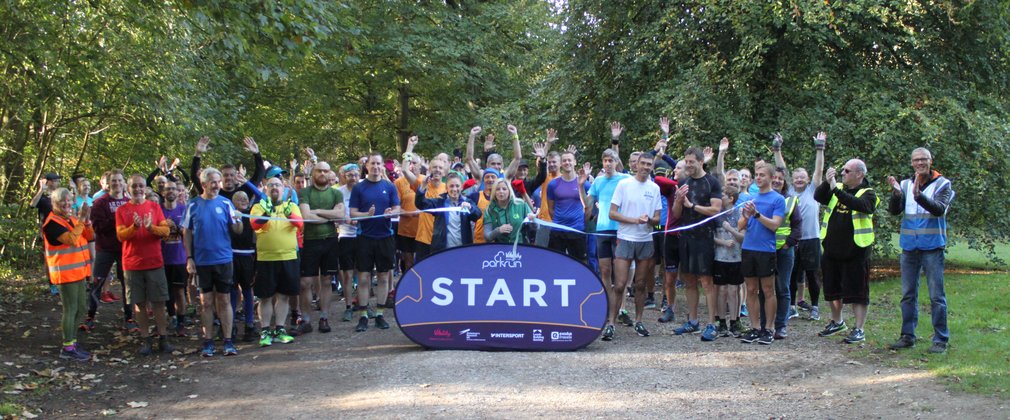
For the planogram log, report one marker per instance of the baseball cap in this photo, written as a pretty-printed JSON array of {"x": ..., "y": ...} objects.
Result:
[
  {"x": 52, "y": 176},
  {"x": 275, "y": 171}
]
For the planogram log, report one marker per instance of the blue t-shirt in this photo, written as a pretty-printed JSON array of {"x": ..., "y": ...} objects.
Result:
[
  {"x": 568, "y": 209},
  {"x": 758, "y": 237},
  {"x": 383, "y": 195},
  {"x": 603, "y": 190},
  {"x": 210, "y": 223}
]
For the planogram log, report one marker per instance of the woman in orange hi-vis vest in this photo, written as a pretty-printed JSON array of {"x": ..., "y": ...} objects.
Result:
[{"x": 69, "y": 262}]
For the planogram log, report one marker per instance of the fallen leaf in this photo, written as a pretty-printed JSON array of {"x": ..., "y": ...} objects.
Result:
[
  {"x": 193, "y": 395},
  {"x": 26, "y": 334},
  {"x": 28, "y": 415},
  {"x": 137, "y": 404},
  {"x": 853, "y": 362}
]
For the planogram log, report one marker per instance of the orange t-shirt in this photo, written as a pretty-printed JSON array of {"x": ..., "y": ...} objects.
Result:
[
  {"x": 545, "y": 213},
  {"x": 408, "y": 223},
  {"x": 478, "y": 227},
  {"x": 426, "y": 221}
]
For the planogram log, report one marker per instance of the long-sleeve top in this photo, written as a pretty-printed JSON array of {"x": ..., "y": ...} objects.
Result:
[
  {"x": 936, "y": 205},
  {"x": 839, "y": 243},
  {"x": 258, "y": 173}
]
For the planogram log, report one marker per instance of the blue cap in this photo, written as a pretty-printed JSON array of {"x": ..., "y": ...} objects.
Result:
[{"x": 275, "y": 171}]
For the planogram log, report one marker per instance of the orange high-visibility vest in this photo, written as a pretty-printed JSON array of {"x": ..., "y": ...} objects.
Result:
[{"x": 67, "y": 263}]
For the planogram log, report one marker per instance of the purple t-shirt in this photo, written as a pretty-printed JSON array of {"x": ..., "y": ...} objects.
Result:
[
  {"x": 171, "y": 247},
  {"x": 568, "y": 208}
]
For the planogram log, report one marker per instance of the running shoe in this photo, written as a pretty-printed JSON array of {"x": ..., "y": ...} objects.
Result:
[
  {"x": 743, "y": 311},
  {"x": 380, "y": 322},
  {"x": 250, "y": 333},
  {"x": 679, "y": 284},
  {"x": 938, "y": 348},
  {"x": 904, "y": 342},
  {"x": 266, "y": 338},
  {"x": 145, "y": 349},
  {"x": 131, "y": 326},
  {"x": 640, "y": 329},
  {"x": 687, "y": 328},
  {"x": 709, "y": 334},
  {"x": 833, "y": 328},
  {"x": 302, "y": 328},
  {"x": 88, "y": 325},
  {"x": 208, "y": 349},
  {"x": 53, "y": 290},
  {"x": 608, "y": 333},
  {"x": 804, "y": 306},
  {"x": 815, "y": 313},
  {"x": 722, "y": 330},
  {"x": 81, "y": 350},
  {"x": 229, "y": 348},
  {"x": 625, "y": 319},
  {"x": 665, "y": 303},
  {"x": 362, "y": 324},
  {"x": 781, "y": 333},
  {"x": 856, "y": 336},
  {"x": 107, "y": 297},
  {"x": 736, "y": 328},
  {"x": 765, "y": 337},
  {"x": 792, "y": 313},
  {"x": 180, "y": 331},
  {"x": 348, "y": 315},
  {"x": 164, "y": 346},
  {"x": 74, "y": 353},
  {"x": 750, "y": 336},
  {"x": 280, "y": 335},
  {"x": 324, "y": 325},
  {"x": 650, "y": 303},
  {"x": 667, "y": 315}
]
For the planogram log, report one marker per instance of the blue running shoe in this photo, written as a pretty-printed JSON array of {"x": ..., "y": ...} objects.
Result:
[
  {"x": 709, "y": 334},
  {"x": 208, "y": 349},
  {"x": 687, "y": 328},
  {"x": 229, "y": 348}
]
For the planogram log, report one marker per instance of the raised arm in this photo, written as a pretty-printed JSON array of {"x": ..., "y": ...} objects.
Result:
[
  {"x": 260, "y": 171},
  {"x": 194, "y": 168},
  {"x": 780, "y": 162},
  {"x": 820, "y": 141},
  {"x": 409, "y": 155},
  {"x": 468, "y": 160},
  {"x": 517, "y": 152},
  {"x": 720, "y": 161}
]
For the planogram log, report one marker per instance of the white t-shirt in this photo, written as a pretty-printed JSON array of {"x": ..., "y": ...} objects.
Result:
[
  {"x": 810, "y": 223},
  {"x": 633, "y": 199},
  {"x": 346, "y": 230}
]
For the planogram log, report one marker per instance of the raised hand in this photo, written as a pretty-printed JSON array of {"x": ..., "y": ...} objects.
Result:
[
  {"x": 241, "y": 170},
  {"x": 571, "y": 149},
  {"x": 512, "y": 130},
  {"x": 894, "y": 184},
  {"x": 777, "y": 142},
  {"x": 664, "y": 125},
  {"x": 538, "y": 150},
  {"x": 251, "y": 145},
  {"x": 411, "y": 142},
  {"x": 202, "y": 145},
  {"x": 660, "y": 147},
  {"x": 615, "y": 130},
  {"x": 820, "y": 140},
  {"x": 489, "y": 141},
  {"x": 293, "y": 164},
  {"x": 311, "y": 154},
  {"x": 724, "y": 144},
  {"x": 552, "y": 135},
  {"x": 475, "y": 131},
  {"x": 161, "y": 163},
  {"x": 707, "y": 151},
  {"x": 175, "y": 164},
  {"x": 43, "y": 184},
  {"x": 829, "y": 175},
  {"x": 584, "y": 172}
]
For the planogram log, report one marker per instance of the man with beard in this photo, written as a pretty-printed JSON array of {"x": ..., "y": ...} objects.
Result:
[
  {"x": 174, "y": 255},
  {"x": 276, "y": 260},
  {"x": 321, "y": 205},
  {"x": 109, "y": 248}
]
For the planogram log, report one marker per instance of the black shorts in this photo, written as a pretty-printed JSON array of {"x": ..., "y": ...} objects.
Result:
[
  {"x": 320, "y": 256},
  {"x": 244, "y": 271},
  {"x": 657, "y": 245},
  {"x": 176, "y": 275},
  {"x": 726, "y": 273},
  {"x": 606, "y": 242},
  {"x": 275, "y": 277},
  {"x": 347, "y": 247},
  {"x": 847, "y": 280},
  {"x": 103, "y": 264},
  {"x": 215, "y": 278},
  {"x": 406, "y": 244},
  {"x": 375, "y": 255},
  {"x": 422, "y": 251},
  {"x": 697, "y": 253},
  {"x": 808, "y": 254},
  {"x": 757, "y": 263},
  {"x": 671, "y": 253},
  {"x": 570, "y": 243}
]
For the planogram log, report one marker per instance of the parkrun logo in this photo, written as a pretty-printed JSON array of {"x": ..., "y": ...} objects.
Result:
[{"x": 503, "y": 260}]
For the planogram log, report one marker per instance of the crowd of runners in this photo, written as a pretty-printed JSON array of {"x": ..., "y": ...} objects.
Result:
[{"x": 275, "y": 251}]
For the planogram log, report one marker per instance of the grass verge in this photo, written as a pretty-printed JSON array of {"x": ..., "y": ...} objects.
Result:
[{"x": 978, "y": 360}]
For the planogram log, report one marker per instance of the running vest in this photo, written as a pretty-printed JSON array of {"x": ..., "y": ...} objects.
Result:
[
  {"x": 862, "y": 223},
  {"x": 920, "y": 230},
  {"x": 786, "y": 227},
  {"x": 67, "y": 263},
  {"x": 478, "y": 226}
]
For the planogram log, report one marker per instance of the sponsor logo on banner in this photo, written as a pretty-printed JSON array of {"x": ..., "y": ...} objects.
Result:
[{"x": 494, "y": 296}]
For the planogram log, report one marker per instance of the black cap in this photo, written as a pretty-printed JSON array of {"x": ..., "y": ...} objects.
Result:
[
  {"x": 524, "y": 162},
  {"x": 52, "y": 176}
]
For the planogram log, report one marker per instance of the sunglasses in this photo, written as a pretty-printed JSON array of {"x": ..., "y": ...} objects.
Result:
[{"x": 845, "y": 171}]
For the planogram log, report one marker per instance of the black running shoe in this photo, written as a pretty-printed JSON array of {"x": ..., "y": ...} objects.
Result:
[
  {"x": 765, "y": 337},
  {"x": 856, "y": 336},
  {"x": 833, "y": 328},
  {"x": 640, "y": 329},
  {"x": 625, "y": 319},
  {"x": 380, "y": 322},
  {"x": 362, "y": 324},
  {"x": 750, "y": 336},
  {"x": 608, "y": 333},
  {"x": 904, "y": 342}
]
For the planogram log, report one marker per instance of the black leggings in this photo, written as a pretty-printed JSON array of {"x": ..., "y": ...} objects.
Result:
[{"x": 813, "y": 280}]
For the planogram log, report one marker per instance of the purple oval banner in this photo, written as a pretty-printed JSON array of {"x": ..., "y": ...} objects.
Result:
[{"x": 487, "y": 297}]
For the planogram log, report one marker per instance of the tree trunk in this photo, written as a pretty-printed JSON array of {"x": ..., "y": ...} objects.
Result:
[
  {"x": 14, "y": 160},
  {"x": 404, "y": 118}
]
